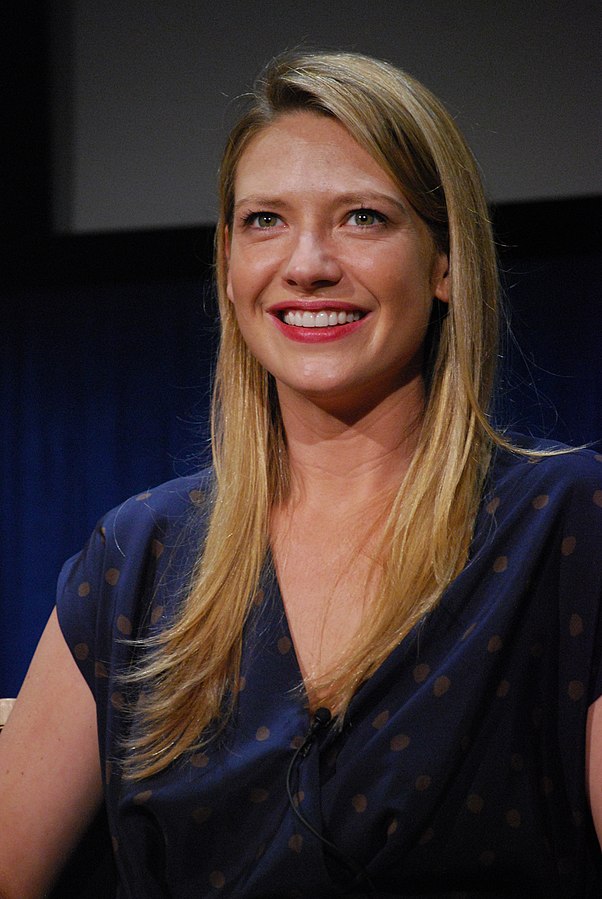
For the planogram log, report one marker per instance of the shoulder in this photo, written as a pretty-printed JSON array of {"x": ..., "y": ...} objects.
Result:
[
  {"x": 161, "y": 513},
  {"x": 550, "y": 475},
  {"x": 137, "y": 550}
]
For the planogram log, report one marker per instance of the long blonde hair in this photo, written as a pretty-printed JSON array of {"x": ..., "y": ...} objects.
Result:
[{"x": 191, "y": 675}]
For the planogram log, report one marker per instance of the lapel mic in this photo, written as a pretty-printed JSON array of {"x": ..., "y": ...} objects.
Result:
[{"x": 320, "y": 719}]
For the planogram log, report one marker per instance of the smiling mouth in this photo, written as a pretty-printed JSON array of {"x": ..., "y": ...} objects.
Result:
[{"x": 325, "y": 318}]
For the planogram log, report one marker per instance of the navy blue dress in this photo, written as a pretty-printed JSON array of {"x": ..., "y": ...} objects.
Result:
[{"x": 459, "y": 770}]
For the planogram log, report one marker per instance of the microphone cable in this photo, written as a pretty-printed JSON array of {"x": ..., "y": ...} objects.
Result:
[{"x": 321, "y": 719}]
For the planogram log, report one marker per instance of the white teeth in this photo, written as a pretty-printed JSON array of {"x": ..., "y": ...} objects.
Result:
[{"x": 323, "y": 319}]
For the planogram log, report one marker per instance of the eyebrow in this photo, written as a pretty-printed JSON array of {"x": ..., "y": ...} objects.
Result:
[{"x": 353, "y": 198}]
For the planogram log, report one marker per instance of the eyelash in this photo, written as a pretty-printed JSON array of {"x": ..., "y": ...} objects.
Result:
[
  {"x": 380, "y": 219},
  {"x": 249, "y": 219}
]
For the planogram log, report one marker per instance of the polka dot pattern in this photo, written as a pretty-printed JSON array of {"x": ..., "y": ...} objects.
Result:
[
  {"x": 112, "y": 576},
  {"x": 295, "y": 842},
  {"x": 568, "y": 546},
  {"x": 438, "y": 753},
  {"x": 359, "y": 803},
  {"x": 124, "y": 625}
]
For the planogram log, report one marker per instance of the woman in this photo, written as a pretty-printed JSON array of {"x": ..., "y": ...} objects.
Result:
[{"x": 358, "y": 656}]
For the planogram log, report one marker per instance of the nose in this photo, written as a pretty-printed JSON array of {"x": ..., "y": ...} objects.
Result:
[{"x": 311, "y": 263}]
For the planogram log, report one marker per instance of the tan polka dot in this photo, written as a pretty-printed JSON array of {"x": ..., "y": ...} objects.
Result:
[
  {"x": 199, "y": 760},
  {"x": 500, "y": 564},
  {"x": 475, "y": 803},
  {"x": 141, "y": 798},
  {"x": 468, "y": 631},
  {"x": 513, "y": 818},
  {"x": 399, "y": 742},
  {"x": 258, "y": 598},
  {"x": 541, "y": 501},
  {"x": 124, "y": 625},
  {"x": 157, "y": 548},
  {"x": 83, "y": 589},
  {"x": 295, "y": 842},
  {"x": 196, "y": 496},
  {"x": 359, "y": 802},
  {"x": 112, "y": 576},
  {"x": 284, "y": 645},
  {"x": 597, "y": 498},
  {"x": 517, "y": 763},
  {"x": 492, "y": 506},
  {"x": 576, "y": 690},
  {"x": 242, "y": 683},
  {"x": 100, "y": 669},
  {"x": 567, "y": 547},
  {"x": 392, "y": 827},
  {"x": 423, "y": 782},
  {"x": 441, "y": 685},
  {"x": 421, "y": 672},
  {"x": 142, "y": 496},
  {"x": 156, "y": 613},
  {"x": 547, "y": 786},
  {"x": 495, "y": 643},
  {"x": 296, "y": 742},
  {"x": 598, "y": 457},
  {"x": 262, "y": 733},
  {"x": 118, "y": 700},
  {"x": 427, "y": 836},
  {"x": 81, "y": 651},
  {"x": 217, "y": 880},
  {"x": 202, "y": 814},
  {"x": 487, "y": 858},
  {"x": 258, "y": 795},
  {"x": 298, "y": 798},
  {"x": 103, "y": 534},
  {"x": 503, "y": 689},
  {"x": 575, "y": 625},
  {"x": 381, "y": 720}
]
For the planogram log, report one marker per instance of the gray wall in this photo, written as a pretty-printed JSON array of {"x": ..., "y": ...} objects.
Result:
[{"x": 144, "y": 92}]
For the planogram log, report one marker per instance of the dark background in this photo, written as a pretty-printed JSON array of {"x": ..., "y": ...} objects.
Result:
[{"x": 107, "y": 342}]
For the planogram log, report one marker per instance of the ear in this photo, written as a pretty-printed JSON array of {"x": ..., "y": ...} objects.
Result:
[
  {"x": 227, "y": 242},
  {"x": 440, "y": 279}
]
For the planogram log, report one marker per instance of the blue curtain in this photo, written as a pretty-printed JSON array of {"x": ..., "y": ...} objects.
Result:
[{"x": 104, "y": 393}]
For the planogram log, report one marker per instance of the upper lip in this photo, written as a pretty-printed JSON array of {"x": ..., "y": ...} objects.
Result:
[{"x": 315, "y": 306}]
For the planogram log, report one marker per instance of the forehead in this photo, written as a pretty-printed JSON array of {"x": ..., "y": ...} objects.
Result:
[{"x": 304, "y": 146}]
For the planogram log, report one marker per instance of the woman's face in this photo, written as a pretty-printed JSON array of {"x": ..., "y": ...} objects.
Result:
[{"x": 331, "y": 272}]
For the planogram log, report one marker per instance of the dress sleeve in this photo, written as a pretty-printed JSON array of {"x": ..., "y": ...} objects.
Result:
[{"x": 128, "y": 578}]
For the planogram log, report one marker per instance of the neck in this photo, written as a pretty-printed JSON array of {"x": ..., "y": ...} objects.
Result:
[{"x": 340, "y": 461}]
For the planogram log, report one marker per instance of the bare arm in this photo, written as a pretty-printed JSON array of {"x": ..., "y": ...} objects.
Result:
[
  {"x": 594, "y": 763},
  {"x": 50, "y": 784}
]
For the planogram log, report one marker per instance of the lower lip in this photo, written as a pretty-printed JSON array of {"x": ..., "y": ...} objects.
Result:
[{"x": 317, "y": 335}]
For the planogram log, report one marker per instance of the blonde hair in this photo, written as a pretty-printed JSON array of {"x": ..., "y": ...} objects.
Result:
[{"x": 192, "y": 674}]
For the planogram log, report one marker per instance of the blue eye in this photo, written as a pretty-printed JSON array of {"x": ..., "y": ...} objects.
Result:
[{"x": 364, "y": 218}]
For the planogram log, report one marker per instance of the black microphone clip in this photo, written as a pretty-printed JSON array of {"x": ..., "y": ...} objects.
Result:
[{"x": 320, "y": 719}]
